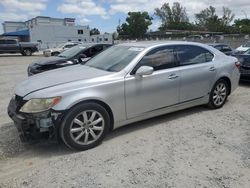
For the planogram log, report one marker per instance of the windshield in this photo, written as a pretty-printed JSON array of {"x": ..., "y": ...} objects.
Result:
[
  {"x": 71, "y": 52},
  {"x": 114, "y": 59},
  {"x": 60, "y": 46},
  {"x": 247, "y": 52},
  {"x": 246, "y": 45}
]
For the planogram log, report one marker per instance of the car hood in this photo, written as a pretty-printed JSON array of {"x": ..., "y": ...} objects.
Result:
[
  {"x": 57, "y": 77},
  {"x": 242, "y": 49},
  {"x": 49, "y": 61}
]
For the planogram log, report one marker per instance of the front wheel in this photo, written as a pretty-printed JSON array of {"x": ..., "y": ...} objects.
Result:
[
  {"x": 85, "y": 126},
  {"x": 55, "y": 53},
  {"x": 219, "y": 94}
]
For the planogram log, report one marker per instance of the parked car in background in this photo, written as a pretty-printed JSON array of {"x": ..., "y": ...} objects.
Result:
[
  {"x": 243, "y": 48},
  {"x": 75, "y": 55},
  {"x": 194, "y": 37},
  {"x": 13, "y": 46},
  {"x": 123, "y": 84},
  {"x": 244, "y": 60},
  {"x": 224, "y": 48},
  {"x": 57, "y": 50}
]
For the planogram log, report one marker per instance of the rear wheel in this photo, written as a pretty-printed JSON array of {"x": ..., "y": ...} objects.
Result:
[
  {"x": 85, "y": 126},
  {"x": 219, "y": 94},
  {"x": 27, "y": 52}
]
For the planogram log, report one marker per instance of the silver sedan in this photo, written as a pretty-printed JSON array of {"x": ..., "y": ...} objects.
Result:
[{"x": 124, "y": 84}]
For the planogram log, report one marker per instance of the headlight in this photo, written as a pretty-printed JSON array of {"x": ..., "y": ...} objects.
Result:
[{"x": 39, "y": 105}]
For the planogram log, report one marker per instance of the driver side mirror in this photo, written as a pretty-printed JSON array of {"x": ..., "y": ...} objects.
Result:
[
  {"x": 83, "y": 58},
  {"x": 144, "y": 70}
]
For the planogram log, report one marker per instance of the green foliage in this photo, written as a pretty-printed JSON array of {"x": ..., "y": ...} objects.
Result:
[
  {"x": 242, "y": 25},
  {"x": 207, "y": 19},
  {"x": 174, "y": 17},
  {"x": 136, "y": 25},
  {"x": 94, "y": 31}
]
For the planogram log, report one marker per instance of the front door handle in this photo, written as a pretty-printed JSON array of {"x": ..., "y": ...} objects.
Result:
[
  {"x": 212, "y": 69},
  {"x": 172, "y": 76}
]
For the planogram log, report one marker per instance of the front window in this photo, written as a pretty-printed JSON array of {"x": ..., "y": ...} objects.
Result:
[
  {"x": 71, "y": 52},
  {"x": 114, "y": 59},
  {"x": 247, "y": 52},
  {"x": 159, "y": 58}
]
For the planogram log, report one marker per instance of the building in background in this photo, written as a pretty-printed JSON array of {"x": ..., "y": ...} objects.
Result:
[{"x": 50, "y": 32}]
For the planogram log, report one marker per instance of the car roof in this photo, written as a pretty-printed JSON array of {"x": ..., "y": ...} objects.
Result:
[
  {"x": 88, "y": 45},
  {"x": 217, "y": 44},
  {"x": 148, "y": 44}
]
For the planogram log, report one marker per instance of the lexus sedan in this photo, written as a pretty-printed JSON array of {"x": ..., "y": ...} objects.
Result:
[
  {"x": 75, "y": 55},
  {"x": 123, "y": 84}
]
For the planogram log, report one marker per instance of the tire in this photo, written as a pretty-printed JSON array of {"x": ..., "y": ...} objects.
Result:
[
  {"x": 27, "y": 52},
  {"x": 55, "y": 53},
  {"x": 218, "y": 95},
  {"x": 85, "y": 126}
]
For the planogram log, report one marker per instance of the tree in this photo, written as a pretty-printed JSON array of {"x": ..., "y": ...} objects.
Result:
[
  {"x": 205, "y": 16},
  {"x": 136, "y": 25},
  {"x": 227, "y": 17},
  {"x": 173, "y": 18},
  {"x": 208, "y": 19},
  {"x": 94, "y": 31},
  {"x": 242, "y": 25}
]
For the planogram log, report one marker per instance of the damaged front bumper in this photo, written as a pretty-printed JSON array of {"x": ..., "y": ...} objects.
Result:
[{"x": 37, "y": 125}]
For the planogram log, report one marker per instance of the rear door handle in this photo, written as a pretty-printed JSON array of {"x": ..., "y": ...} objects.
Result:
[
  {"x": 172, "y": 76},
  {"x": 212, "y": 69}
]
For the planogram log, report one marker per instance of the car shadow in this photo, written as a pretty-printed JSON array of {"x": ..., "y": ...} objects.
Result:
[
  {"x": 244, "y": 83},
  {"x": 19, "y": 55},
  {"x": 154, "y": 121},
  {"x": 46, "y": 149}
]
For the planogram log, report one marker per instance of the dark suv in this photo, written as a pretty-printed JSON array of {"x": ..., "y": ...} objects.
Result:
[
  {"x": 75, "y": 55},
  {"x": 13, "y": 46}
]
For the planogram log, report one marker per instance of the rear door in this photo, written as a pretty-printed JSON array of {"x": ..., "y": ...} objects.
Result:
[{"x": 197, "y": 72}]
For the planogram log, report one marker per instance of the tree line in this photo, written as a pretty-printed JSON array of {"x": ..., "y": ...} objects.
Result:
[{"x": 175, "y": 18}]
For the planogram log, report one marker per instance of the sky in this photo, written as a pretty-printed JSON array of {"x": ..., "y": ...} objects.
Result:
[{"x": 105, "y": 14}]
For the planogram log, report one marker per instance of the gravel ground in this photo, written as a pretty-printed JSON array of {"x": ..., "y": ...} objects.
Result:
[{"x": 196, "y": 147}]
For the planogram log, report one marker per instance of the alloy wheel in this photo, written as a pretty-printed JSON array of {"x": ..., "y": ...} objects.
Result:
[
  {"x": 220, "y": 94},
  {"x": 87, "y": 127}
]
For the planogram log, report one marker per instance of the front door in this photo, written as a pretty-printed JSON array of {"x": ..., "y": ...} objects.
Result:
[{"x": 156, "y": 91}]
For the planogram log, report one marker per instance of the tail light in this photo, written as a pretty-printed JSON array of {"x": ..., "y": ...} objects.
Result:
[{"x": 237, "y": 64}]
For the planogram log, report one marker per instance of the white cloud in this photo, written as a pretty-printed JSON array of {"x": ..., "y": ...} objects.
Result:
[
  {"x": 23, "y": 5},
  {"x": 83, "y": 8},
  {"x": 12, "y": 16},
  {"x": 192, "y": 6},
  {"x": 19, "y": 10}
]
